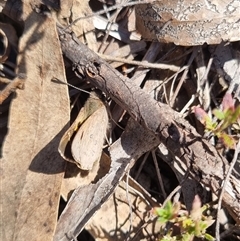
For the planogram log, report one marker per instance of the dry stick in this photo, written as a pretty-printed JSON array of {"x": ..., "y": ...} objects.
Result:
[
  {"x": 141, "y": 63},
  {"x": 183, "y": 76},
  {"x": 203, "y": 86},
  {"x": 11, "y": 87},
  {"x": 186, "y": 107},
  {"x": 176, "y": 189},
  {"x": 187, "y": 52},
  {"x": 200, "y": 73},
  {"x": 225, "y": 181},
  {"x": 171, "y": 97},
  {"x": 141, "y": 165},
  {"x": 171, "y": 77},
  {"x": 204, "y": 78},
  {"x": 107, "y": 30},
  {"x": 229, "y": 232},
  {"x": 129, "y": 204},
  {"x": 204, "y": 162},
  {"x": 158, "y": 174},
  {"x": 111, "y": 21}
]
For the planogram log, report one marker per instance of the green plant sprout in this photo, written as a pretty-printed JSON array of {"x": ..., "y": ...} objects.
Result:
[
  {"x": 190, "y": 224},
  {"x": 226, "y": 117}
]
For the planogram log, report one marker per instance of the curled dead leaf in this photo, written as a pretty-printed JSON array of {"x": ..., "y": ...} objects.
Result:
[
  {"x": 88, "y": 142},
  {"x": 87, "y": 134}
]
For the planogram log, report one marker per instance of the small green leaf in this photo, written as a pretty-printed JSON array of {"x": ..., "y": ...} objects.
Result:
[
  {"x": 165, "y": 214},
  {"x": 203, "y": 226},
  {"x": 209, "y": 237},
  {"x": 187, "y": 237},
  {"x": 209, "y": 125},
  {"x": 187, "y": 223},
  {"x": 168, "y": 238},
  {"x": 235, "y": 115},
  {"x": 229, "y": 119},
  {"x": 227, "y": 140},
  {"x": 219, "y": 114}
]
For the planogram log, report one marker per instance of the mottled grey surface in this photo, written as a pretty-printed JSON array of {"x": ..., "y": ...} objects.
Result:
[{"x": 188, "y": 22}]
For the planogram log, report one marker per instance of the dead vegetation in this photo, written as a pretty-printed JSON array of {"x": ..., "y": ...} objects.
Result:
[{"x": 102, "y": 161}]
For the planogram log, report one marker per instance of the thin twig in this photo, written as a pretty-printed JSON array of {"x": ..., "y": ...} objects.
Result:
[
  {"x": 159, "y": 174},
  {"x": 141, "y": 63},
  {"x": 111, "y": 20},
  {"x": 186, "y": 107},
  {"x": 184, "y": 76},
  {"x": 117, "y": 6},
  {"x": 129, "y": 204},
  {"x": 176, "y": 189},
  {"x": 141, "y": 165},
  {"x": 58, "y": 81},
  {"x": 172, "y": 76},
  {"x": 234, "y": 160}
]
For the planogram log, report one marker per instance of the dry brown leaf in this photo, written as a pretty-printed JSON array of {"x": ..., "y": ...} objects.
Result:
[
  {"x": 84, "y": 29},
  {"x": 91, "y": 126},
  {"x": 86, "y": 200},
  {"x": 75, "y": 177},
  {"x": 227, "y": 63},
  {"x": 64, "y": 13},
  {"x": 32, "y": 169},
  {"x": 117, "y": 221},
  {"x": 189, "y": 22},
  {"x": 88, "y": 142}
]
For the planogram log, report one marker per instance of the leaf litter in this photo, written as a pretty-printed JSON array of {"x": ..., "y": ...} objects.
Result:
[{"x": 201, "y": 79}]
